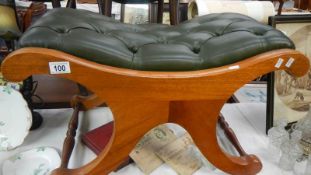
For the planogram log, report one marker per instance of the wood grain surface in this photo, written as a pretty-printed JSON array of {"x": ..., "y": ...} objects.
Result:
[{"x": 141, "y": 100}]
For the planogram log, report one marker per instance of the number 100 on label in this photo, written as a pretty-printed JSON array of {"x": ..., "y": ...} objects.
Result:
[{"x": 59, "y": 67}]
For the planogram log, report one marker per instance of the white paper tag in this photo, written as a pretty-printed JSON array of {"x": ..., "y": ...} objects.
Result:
[
  {"x": 59, "y": 67},
  {"x": 279, "y": 63},
  {"x": 290, "y": 62}
]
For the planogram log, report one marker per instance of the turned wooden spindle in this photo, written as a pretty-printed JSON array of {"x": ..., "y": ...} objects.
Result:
[
  {"x": 69, "y": 142},
  {"x": 231, "y": 135}
]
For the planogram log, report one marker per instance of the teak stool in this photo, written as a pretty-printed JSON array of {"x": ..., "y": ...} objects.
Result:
[{"x": 154, "y": 74}]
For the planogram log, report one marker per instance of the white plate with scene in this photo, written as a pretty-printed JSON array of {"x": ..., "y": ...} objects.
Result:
[
  {"x": 37, "y": 161},
  {"x": 15, "y": 118}
]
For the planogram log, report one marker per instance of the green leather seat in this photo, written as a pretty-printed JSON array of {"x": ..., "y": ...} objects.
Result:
[{"x": 204, "y": 42}]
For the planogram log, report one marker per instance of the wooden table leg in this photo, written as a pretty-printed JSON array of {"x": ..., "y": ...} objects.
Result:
[
  {"x": 107, "y": 7},
  {"x": 56, "y": 4},
  {"x": 160, "y": 11},
  {"x": 174, "y": 11}
]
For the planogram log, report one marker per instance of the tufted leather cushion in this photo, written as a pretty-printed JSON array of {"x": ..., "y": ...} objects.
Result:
[{"x": 204, "y": 42}]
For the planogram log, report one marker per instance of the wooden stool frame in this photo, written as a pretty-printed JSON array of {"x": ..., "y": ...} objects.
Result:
[{"x": 141, "y": 100}]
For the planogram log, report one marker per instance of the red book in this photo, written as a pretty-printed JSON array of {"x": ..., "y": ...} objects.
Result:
[{"x": 98, "y": 138}]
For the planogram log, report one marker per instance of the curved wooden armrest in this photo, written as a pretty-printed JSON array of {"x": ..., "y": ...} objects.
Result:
[{"x": 141, "y": 100}]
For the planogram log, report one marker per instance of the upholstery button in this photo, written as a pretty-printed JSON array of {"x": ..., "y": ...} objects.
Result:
[
  {"x": 61, "y": 30},
  {"x": 134, "y": 49},
  {"x": 196, "y": 47},
  {"x": 259, "y": 33},
  {"x": 162, "y": 40}
]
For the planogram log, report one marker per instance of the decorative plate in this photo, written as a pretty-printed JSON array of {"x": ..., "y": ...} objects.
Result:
[
  {"x": 15, "y": 118},
  {"x": 15, "y": 86},
  {"x": 38, "y": 161}
]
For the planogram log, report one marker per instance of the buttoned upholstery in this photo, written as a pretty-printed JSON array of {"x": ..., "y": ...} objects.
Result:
[{"x": 203, "y": 42}]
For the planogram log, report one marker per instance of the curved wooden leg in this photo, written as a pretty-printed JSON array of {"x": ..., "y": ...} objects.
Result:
[
  {"x": 132, "y": 119},
  {"x": 199, "y": 118},
  {"x": 107, "y": 7}
]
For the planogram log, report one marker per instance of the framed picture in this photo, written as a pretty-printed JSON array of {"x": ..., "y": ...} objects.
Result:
[
  {"x": 135, "y": 13},
  {"x": 289, "y": 97},
  {"x": 254, "y": 92}
]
